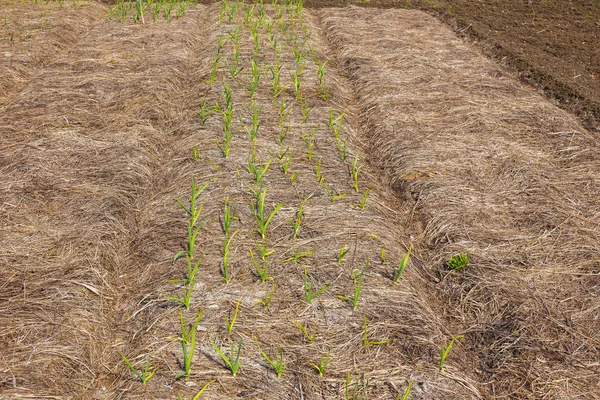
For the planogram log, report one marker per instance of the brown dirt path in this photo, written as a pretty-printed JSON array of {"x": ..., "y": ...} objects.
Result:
[{"x": 494, "y": 169}]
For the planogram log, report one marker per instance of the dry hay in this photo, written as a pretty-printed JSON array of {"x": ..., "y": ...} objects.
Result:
[
  {"x": 33, "y": 35},
  {"x": 97, "y": 148},
  {"x": 493, "y": 169}
]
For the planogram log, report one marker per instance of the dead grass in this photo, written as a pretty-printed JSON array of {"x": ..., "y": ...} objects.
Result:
[
  {"x": 493, "y": 169},
  {"x": 97, "y": 145},
  {"x": 32, "y": 36}
]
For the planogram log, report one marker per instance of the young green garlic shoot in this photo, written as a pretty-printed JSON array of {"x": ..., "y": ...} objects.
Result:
[
  {"x": 144, "y": 374},
  {"x": 401, "y": 266},
  {"x": 233, "y": 360},
  {"x": 198, "y": 394},
  {"x": 309, "y": 337},
  {"x": 323, "y": 362}
]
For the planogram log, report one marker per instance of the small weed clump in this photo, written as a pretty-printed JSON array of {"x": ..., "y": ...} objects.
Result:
[{"x": 459, "y": 262}]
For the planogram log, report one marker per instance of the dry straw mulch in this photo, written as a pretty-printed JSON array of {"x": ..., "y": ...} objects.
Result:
[
  {"x": 32, "y": 35},
  {"x": 97, "y": 148},
  {"x": 493, "y": 169},
  {"x": 97, "y": 129}
]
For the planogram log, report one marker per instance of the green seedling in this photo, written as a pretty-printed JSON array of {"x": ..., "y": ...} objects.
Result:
[
  {"x": 195, "y": 153},
  {"x": 194, "y": 213},
  {"x": 227, "y": 119},
  {"x": 224, "y": 147},
  {"x": 332, "y": 193},
  {"x": 155, "y": 11},
  {"x": 234, "y": 68},
  {"x": 233, "y": 11},
  {"x": 344, "y": 151},
  {"x": 235, "y": 36},
  {"x": 296, "y": 83},
  {"x": 214, "y": 70},
  {"x": 366, "y": 341},
  {"x": 232, "y": 363},
  {"x": 407, "y": 392},
  {"x": 359, "y": 390},
  {"x": 272, "y": 37},
  {"x": 256, "y": 49},
  {"x": 283, "y": 112},
  {"x": 214, "y": 166},
  {"x": 228, "y": 96},
  {"x": 321, "y": 72},
  {"x": 401, "y": 266},
  {"x": 363, "y": 200},
  {"x": 188, "y": 342},
  {"x": 253, "y": 130},
  {"x": 343, "y": 251},
  {"x": 446, "y": 351},
  {"x": 260, "y": 216},
  {"x": 263, "y": 249},
  {"x": 309, "y": 293},
  {"x": 206, "y": 111},
  {"x": 262, "y": 13},
  {"x": 228, "y": 132},
  {"x": 257, "y": 170},
  {"x": 248, "y": 14},
  {"x": 262, "y": 272},
  {"x": 323, "y": 361},
  {"x": 276, "y": 363},
  {"x": 358, "y": 282},
  {"x": 299, "y": 55},
  {"x": 167, "y": 11},
  {"x": 282, "y": 134},
  {"x": 306, "y": 113},
  {"x": 333, "y": 120},
  {"x": 231, "y": 323},
  {"x": 180, "y": 11},
  {"x": 285, "y": 162},
  {"x": 459, "y": 262},
  {"x": 309, "y": 140},
  {"x": 225, "y": 252},
  {"x": 355, "y": 169},
  {"x": 188, "y": 285},
  {"x": 228, "y": 217},
  {"x": 311, "y": 338},
  {"x": 144, "y": 374},
  {"x": 254, "y": 79},
  {"x": 140, "y": 10},
  {"x": 222, "y": 42},
  {"x": 268, "y": 297},
  {"x": 297, "y": 220},
  {"x": 293, "y": 177},
  {"x": 197, "y": 395},
  {"x": 276, "y": 77},
  {"x": 296, "y": 256},
  {"x": 382, "y": 254}
]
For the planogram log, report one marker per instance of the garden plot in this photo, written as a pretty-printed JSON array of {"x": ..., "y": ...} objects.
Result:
[
  {"x": 492, "y": 169},
  {"x": 294, "y": 240},
  {"x": 257, "y": 201}
]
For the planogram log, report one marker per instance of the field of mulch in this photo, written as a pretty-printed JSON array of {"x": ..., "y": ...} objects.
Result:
[{"x": 413, "y": 140}]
